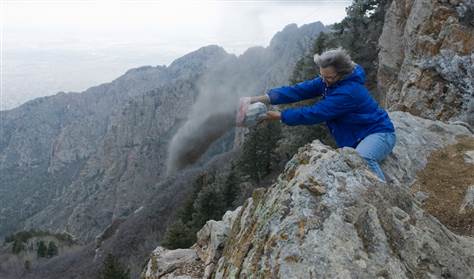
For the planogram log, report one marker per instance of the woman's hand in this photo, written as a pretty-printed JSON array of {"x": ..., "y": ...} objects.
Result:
[
  {"x": 262, "y": 98},
  {"x": 269, "y": 115},
  {"x": 273, "y": 115}
]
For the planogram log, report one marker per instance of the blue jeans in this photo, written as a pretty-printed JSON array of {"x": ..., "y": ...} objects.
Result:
[{"x": 374, "y": 148}]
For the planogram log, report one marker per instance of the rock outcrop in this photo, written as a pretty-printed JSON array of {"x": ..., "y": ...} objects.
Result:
[
  {"x": 426, "y": 59},
  {"x": 328, "y": 216},
  {"x": 198, "y": 261}
]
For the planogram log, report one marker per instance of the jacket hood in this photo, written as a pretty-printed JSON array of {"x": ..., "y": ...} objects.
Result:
[{"x": 357, "y": 75}]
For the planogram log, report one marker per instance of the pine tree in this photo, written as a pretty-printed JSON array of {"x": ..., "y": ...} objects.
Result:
[
  {"x": 182, "y": 233},
  {"x": 258, "y": 151},
  {"x": 186, "y": 212},
  {"x": 112, "y": 269},
  {"x": 18, "y": 246},
  {"x": 359, "y": 33},
  {"x": 231, "y": 187},
  {"x": 208, "y": 205},
  {"x": 178, "y": 235},
  {"x": 52, "y": 250},
  {"x": 213, "y": 195},
  {"x": 42, "y": 249}
]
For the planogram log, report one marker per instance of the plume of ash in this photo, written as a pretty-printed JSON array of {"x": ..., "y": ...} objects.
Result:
[{"x": 211, "y": 116}]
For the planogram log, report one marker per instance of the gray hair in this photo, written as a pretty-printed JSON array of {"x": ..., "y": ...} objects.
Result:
[{"x": 337, "y": 58}]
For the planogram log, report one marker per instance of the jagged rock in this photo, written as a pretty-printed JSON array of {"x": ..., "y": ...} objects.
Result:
[
  {"x": 469, "y": 157},
  {"x": 313, "y": 187},
  {"x": 359, "y": 228},
  {"x": 421, "y": 196},
  {"x": 203, "y": 254},
  {"x": 211, "y": 238},
  {"x": 179, "y": 263},
  {"x": 426, "y": 59},
  {"x": 468, "y": 202}
]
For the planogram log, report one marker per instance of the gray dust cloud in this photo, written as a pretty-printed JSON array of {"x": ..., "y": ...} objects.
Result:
[{"x": 212, "y": 116}]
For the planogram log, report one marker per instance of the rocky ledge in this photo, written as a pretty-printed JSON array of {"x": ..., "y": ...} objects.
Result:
[{"x": 327, "y": 216}]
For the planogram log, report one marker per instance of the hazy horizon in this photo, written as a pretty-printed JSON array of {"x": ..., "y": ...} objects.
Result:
[{"x": 53, "y": 46}]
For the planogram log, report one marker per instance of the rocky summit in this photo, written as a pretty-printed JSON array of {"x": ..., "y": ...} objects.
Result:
[{"x": 328, "y": 216}]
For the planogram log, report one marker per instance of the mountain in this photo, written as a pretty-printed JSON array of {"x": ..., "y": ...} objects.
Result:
[
  {"x": 325, "y": 214},
  {"x": 65, "y": 153},
  {"x": 89, "y": 163}
]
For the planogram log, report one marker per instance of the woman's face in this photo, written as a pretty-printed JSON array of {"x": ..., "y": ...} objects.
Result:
[{"x": 329, "y": 75}]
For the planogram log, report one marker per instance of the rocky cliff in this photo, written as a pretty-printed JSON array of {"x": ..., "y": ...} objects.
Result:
[
  {"x": 426, "y": 59},
  {"x": 327, "y": 216}
]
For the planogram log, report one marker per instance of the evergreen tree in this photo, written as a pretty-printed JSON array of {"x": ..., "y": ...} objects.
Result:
[
  {"x": 359, "y": 33},
  {"x": 42, "y": 249},
  {"x": 18, "y": 246},
  {"x": 186, "y": 213},
  {"x": 231, "y": 188},
  {"x": 52, "y": 250},
  {"x": 178, "y": 235},
  {"x": 182, "y": 233},
  {"x": 213, "y": 195},
  {"x": 258, "y": 151},
  {"x": 208, "y": 205},
  {"x": 112, "y": 269}
]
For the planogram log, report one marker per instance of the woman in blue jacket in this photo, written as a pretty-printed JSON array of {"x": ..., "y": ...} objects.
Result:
[{"x": 351, "y": 114}]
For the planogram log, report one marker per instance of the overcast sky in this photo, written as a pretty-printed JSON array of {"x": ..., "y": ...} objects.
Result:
[{"x": 51, "y": 46}]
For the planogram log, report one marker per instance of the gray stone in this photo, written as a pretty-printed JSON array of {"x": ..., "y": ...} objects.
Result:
[
  {"x": 425, "y": 59},
  {"x": 211, "y": 238},
  {"x": 421, "y": 196},
  {"x": 359, "y": 228},
  {"x": 468, "y": 202},
  {"x": 203, "y": 255},
  {"x": 164, "y": 262},
  {"x": 469, "y": 157}
]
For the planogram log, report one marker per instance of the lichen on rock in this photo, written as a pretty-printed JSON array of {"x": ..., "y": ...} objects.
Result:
[{"x": 355, "y": 226}]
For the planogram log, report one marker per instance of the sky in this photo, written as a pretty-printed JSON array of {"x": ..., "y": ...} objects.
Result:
[{"x": 52, "y": 46}]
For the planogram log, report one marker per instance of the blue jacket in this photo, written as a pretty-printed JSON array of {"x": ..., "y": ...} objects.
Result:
[{"x": 349, "y": 111}]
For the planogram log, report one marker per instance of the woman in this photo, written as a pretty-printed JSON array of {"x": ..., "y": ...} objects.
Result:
[{"x": 351, "y": 114}]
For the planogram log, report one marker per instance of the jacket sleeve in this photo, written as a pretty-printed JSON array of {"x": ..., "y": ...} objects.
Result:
[
  {"x": 298, "y": 92},
  {"x": 333, "y": 106}
]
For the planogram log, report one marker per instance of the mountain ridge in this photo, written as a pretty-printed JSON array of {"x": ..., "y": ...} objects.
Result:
[{"x": 93, "y": 135}]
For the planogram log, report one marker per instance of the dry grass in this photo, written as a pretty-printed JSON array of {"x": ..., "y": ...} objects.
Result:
[{"x": 446, "y": 178}]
